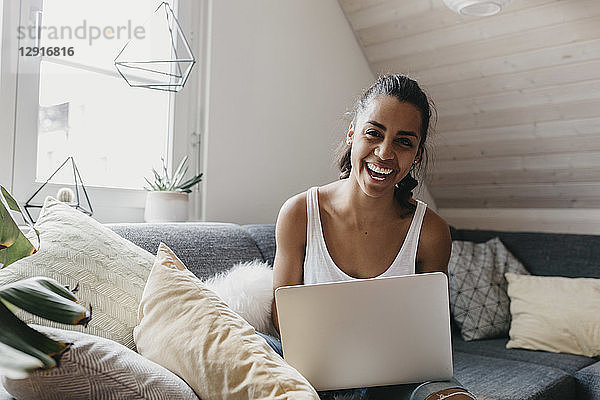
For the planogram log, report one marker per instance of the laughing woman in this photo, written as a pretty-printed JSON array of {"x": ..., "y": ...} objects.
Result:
[{"x": 368, "y": 220}]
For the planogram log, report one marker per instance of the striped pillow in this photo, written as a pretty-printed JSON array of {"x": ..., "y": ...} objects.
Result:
[{"x": 97, "y": 368}]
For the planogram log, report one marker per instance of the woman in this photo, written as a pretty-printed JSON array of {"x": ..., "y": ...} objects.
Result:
[{"x": 361, "y": 226}]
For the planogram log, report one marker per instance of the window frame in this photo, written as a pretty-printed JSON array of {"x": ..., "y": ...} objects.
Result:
[{"x": 8, "y": 90}]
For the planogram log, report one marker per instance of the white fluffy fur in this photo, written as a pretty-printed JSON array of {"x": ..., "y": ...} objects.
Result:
[{"x": 247, "y": 289}]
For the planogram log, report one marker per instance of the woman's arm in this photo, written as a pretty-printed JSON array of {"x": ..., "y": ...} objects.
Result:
[
  {"x": 435, "y": 244},
  {"x": 290, "y": 239}
]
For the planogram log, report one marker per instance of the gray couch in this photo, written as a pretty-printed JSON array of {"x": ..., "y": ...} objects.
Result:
[{"x": 486, "y": 367}]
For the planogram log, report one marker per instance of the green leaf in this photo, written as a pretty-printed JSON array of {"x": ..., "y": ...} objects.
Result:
[
  {"x": 18, "y": 335},
  {"x": 9, "y": 231},
  {"x": 179, "y": 173},
  {"x": 165, "y": 182},
  {"x": 166, "y": 177},
  {"x": 12, "y": 203},
  {"x": 152, "y": 185},
  {"x": 13, "y": 243},
  {"x": 46, "y": 298},
  {"x": 178, "y": 178},
  {"x": 159, "y": 181},
  {"x": 190, "y": 182},
  {"x": 15, "y": 364}
]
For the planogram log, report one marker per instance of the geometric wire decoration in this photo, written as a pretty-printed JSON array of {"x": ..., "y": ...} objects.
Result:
[
  {"x": 78, "y": 183},
  {"x": 162, "y": 59}
]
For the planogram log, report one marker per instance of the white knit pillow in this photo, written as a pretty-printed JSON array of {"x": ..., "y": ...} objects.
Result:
[{"x": 111, "y": 271}]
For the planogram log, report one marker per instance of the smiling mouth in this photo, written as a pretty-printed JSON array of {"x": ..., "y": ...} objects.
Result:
[{"x": 378, "y": 173}]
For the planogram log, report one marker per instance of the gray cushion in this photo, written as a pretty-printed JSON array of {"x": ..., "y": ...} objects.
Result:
[
  {"x": 94, "y": 368},
  {"x": 478, "y": 298},
  {"x": 264, "y": 236},
  {"x": 205, "y": 248},
  {"x": 493, "y": 378},
  {"x": 497, "y": 348},
  {"x": 589, "y": 382},
  {"x": 552, "y": 254}
]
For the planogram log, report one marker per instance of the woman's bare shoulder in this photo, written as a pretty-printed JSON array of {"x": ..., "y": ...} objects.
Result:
[
  {"x": 294, "y": 209},
  {"x": 433, "y": 223},
  {"x": 435, "y": 243},
  {"x": 290, "y": 230}
]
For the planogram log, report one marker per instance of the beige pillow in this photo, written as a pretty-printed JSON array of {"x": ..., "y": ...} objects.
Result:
[
  {"x": 556, "y": 314},
  {"x": 186, "y": 328}
]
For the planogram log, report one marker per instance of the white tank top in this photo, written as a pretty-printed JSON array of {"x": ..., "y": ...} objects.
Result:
[{"x": 319, "y": 267}]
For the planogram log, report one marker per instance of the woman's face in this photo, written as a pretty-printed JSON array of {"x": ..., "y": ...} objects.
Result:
[{"x": 385, "y": 144}]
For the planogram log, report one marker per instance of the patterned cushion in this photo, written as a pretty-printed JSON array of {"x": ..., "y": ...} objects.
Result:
[
  {"x": 478, "y": 298},
  {"x": 110, "y": 270},
  {"x": 97, "y": 368}
]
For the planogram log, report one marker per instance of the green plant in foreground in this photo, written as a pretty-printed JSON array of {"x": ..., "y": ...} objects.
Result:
[
  {"x": 175, "y": 183},
  {"x": 22, "y": 348}
]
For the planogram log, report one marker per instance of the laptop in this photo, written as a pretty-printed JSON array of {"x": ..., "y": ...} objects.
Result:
[{"x": 367, "y": 332}]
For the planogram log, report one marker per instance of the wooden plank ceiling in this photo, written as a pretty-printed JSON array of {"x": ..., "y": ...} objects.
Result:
[{"x": 517, "y": 94}]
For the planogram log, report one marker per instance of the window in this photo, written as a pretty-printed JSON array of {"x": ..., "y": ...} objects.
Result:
[
  {"x": 7, "y": 92},
  {"x": 85, "y": 108},
  {"x": 77, "y": 104}
]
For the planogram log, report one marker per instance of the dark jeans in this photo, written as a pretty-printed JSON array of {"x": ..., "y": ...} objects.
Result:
[{"x": 413, "y": 391}]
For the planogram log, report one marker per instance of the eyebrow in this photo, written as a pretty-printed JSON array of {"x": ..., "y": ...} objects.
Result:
[{"x": 402, "y": 133}]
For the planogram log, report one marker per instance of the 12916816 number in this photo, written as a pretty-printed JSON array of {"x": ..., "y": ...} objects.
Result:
[{"x": 46, "y": 51}]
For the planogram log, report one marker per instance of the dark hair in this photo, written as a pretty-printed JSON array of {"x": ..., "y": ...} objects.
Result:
[{"x": 406, "y": 90}]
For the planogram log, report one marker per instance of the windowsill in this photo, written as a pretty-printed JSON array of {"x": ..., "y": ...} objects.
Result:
[{"x": 108, "y": 204}]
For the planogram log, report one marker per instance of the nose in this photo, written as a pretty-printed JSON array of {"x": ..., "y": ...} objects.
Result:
[{"x": 384, "y": 151}]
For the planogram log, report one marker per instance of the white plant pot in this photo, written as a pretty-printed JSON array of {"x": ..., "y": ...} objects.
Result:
[{"x": 166, "y": 207}]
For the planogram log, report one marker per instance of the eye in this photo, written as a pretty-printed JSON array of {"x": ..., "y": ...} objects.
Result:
[
  {"x": 404, "y": 141},
  {"x": 372, "y": 132}
]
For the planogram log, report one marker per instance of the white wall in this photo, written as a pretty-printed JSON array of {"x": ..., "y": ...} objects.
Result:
[{"x": 283, "y": 72}]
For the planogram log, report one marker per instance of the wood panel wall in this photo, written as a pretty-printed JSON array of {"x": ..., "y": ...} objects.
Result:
[{"x": 518, "y": 99}]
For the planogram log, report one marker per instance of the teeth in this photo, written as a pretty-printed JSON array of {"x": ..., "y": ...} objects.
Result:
[
  {"x": 376, "y": 178},
  {"x": 379, "y": 170}
]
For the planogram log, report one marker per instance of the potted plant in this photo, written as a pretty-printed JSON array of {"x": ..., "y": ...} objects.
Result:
[
  {"x": 168, "y": 195},
  {"x": 22, "y": 348}
]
